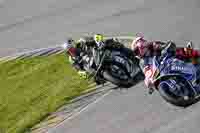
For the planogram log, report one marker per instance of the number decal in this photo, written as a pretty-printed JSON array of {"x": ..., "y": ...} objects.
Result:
[{"x": 120, "y": 60}]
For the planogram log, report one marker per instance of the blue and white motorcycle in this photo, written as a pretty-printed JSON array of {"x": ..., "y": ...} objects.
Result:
[{"x": 175, "y": 80}]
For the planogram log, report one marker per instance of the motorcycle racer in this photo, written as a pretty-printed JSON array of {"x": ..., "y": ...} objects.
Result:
[
  {"x": 77, "y": 51},
  {"x": 188, "y": 54},
  {"x": 80, "y": 52},
  {"x": 147, "y": 49}
]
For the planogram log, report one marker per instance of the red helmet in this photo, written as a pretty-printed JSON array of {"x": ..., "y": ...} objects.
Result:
[{"x": 139, "y": 43}]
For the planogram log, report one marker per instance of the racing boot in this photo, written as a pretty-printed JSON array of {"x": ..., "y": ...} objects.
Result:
[{"x": 150, "y": 91}]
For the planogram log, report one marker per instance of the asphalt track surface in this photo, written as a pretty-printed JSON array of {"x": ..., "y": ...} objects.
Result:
[{"x": 30, "y": 24}]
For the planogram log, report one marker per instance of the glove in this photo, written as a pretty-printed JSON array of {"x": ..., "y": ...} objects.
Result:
[
  {"x": 71, "y": 60},
  {"x": 82, "y": 74}
]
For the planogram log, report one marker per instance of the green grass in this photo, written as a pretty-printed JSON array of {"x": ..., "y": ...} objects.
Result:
[{"x": 32, "y": 88}]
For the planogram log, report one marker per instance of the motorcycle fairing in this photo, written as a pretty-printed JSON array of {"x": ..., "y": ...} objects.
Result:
[{"x": 185, "y": 69}]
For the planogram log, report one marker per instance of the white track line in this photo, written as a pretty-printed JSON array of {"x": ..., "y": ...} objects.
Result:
[{"x": 84, "y": 108}]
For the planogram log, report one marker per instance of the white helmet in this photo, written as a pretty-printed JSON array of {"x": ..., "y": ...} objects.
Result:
[{"x": 67, "y": 45}]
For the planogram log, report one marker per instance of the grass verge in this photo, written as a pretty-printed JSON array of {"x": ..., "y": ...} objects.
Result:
[{"x": 30, "y": 89}]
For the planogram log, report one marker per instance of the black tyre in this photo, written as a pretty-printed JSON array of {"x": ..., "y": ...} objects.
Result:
[
  {"x": 111, "y": 74},
  {"x": 181, "y": 94},
  {"x": 120, "y": 83}
]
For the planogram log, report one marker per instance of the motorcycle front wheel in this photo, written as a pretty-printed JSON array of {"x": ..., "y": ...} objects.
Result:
[
  {"x": 176, "y": 91},
  {"x": 116, "y": 73}
]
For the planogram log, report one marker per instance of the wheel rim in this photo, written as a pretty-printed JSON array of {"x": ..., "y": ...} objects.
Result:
[
  {"x": 118, "y": 72},
  {"x": 175, "y": 89}
]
